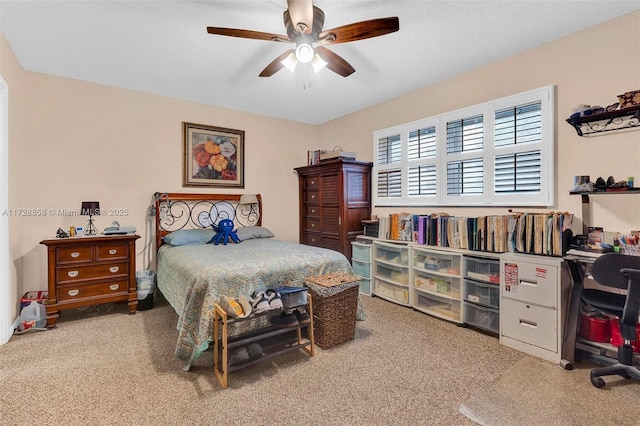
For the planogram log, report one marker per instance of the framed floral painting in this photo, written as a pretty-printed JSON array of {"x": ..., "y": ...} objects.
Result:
[{"x": 213, "y": 156}]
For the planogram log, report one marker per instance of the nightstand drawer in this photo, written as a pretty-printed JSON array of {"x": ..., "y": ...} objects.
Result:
[
  {"x": 106, "y": 252},
  {"x": 92, "y": 290},
  {"x": 74, "y": 254},
  {"x": 72, "y": 274}
]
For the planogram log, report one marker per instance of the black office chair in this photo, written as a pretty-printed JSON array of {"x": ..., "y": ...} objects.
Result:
[{"x": 618, "y": 271}]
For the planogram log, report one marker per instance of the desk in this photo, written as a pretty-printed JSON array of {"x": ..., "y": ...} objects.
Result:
[{"x": 601, "y": 353}]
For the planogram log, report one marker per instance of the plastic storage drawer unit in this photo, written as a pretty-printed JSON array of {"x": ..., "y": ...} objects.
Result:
[{"x": 293, "y": 296}]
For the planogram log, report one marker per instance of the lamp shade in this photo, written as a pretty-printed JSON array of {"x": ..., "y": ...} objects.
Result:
[
  {"x": 248, "y": 199},
  {"x": 90, "y": 208}
]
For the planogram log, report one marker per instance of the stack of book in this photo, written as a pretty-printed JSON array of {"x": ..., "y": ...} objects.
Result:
[{"x": 534, "y": 233}]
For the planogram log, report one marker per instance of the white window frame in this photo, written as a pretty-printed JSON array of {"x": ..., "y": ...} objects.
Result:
[{"x": 545, "y": 95}]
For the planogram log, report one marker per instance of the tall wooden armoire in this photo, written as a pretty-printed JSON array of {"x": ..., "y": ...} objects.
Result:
[{"x": 335, "y": 196}]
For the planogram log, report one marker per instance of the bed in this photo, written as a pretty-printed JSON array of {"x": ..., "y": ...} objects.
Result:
[{"x": 193, "y": 275}]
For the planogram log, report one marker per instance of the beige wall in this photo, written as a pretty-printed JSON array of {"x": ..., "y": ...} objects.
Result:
[
  {"x": 14, "y": 76},
  {"x": 592, "y": 67},
  {"x": 72, "y": 141},
  {"x": 76, "y": 141}
]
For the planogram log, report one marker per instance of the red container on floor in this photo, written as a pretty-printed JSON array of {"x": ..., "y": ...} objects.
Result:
[
  {"x": 594, "y": 328},
  {"x": 616, "y": 337}
]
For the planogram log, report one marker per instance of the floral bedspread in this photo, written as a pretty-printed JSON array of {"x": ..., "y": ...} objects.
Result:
[{"x": 193, "y": 277}]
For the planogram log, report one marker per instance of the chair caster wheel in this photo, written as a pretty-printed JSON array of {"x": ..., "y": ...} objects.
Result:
[{"x": 597, "y": 382}]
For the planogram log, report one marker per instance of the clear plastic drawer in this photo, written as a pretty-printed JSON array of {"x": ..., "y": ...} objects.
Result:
[
  {"x": 443, "y": 263},
  {"x": 443, "y": 307},
  {"x": 437, "y": 284},
  {"x": 487, "y": 270},
  {"x": 391, "y": 253},
  {"x": 482, "y": 293},
  {"x": 485, "y": 318},
  {"x": 390, "y": 291},
  {"x": 394, "y": 273}
]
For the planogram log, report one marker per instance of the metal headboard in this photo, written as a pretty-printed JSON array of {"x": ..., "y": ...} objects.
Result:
[{"x": 175, "y": 211}]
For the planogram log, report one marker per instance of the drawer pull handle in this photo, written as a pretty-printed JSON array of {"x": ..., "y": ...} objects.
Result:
[
  {"x": 313, "y": 225},
  {"x": 75, "y": 254},
  {"x": 72, "y": 274},
  {"x": 529, "y": 283},
  {"x": 313, "y": 196},
  {"x": 313, "y": 240},
  {"x": 113, "y": 251},
  {"x": 529, "y": 324},
  {"x": 313, "y": 182},
  {"x": 114, "y": 286},
  {"x": 114, "y": 269},
  {"x": 73, "y": 292},
  {"x": 313, "y": 210}
]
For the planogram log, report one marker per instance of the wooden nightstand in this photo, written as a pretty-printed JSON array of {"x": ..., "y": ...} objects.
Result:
[{"x": 86, "y": 271}]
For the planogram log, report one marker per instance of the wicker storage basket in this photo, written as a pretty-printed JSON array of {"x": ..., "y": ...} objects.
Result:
[{"x": 335, "y": 303}]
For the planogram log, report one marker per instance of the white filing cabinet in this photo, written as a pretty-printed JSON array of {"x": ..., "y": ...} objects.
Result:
[{"x": 533, "y": 295}]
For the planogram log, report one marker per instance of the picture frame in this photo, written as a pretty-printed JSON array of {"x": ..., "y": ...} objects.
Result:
[{"x": 212, "y": 156}]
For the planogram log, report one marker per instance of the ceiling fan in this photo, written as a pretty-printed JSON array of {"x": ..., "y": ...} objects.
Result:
[{"x": 304, "y": 23}]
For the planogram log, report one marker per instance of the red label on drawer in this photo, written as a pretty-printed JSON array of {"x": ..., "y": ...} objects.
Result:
[{"x": 541, "y": 272}]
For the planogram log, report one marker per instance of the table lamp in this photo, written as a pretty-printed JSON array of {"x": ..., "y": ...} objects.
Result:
[
  {"x": 249, "y": 200},
  {"x": 90, "y": 208}
]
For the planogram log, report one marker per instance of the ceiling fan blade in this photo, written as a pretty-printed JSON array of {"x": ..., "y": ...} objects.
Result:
[
  {"x": 276, "y": 65},
  {"x": 334, "y": 62},
  {"x": 256, "y": 35},
  {"x": 301, "y": 12},
  {"x": 360, "y": 30}
]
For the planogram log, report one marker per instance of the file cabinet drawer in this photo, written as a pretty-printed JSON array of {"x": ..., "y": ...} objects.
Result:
[
  {"x": 531, "y": 283},
  {"x": 531, "y": 324}
]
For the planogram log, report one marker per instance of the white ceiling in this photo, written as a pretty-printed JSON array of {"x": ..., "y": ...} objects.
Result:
[{"x": 162, "y": 47}]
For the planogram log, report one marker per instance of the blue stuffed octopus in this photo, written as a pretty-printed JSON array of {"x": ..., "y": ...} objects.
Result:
[{"x": 224, "y": 231}]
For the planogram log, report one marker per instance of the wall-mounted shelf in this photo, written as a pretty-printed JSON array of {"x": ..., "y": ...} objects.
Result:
[
  {"x": 622, "y": 119},
  {"x": 586, "y": 211}
]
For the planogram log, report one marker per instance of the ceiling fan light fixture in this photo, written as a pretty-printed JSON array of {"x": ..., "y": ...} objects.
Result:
[
  {"x": 304, "y": 53},
  {"x": 290, "y": 62},
  {"x": 318, "y": 63}
]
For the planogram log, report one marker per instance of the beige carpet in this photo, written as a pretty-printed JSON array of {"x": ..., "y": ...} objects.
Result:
[
  {"x": 104, "y": 367},
  {"x": 534, "y": 392}
]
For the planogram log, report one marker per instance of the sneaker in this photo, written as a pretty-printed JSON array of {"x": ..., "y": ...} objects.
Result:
[
  {"x": 275, "y": 302},
  {"x": 302, "y": 317},
  {"x": 239, "y": 356},
  {"x": 255, "y": 351},
  {"x": 259, "y": 302},
  {"x": 284, "y": 320}
]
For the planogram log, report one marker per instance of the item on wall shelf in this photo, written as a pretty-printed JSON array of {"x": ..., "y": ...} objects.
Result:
[
  {"x": 629, "y": 99},
  {"x": 212, "y": 156},
  {"x": 90, "y": 208}
]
